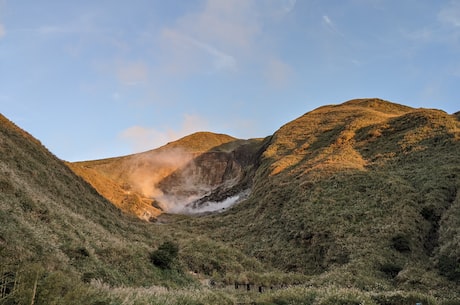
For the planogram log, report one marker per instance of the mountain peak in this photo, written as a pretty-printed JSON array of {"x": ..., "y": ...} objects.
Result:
[
  {"x": 200, "y": 141},
  {"x": 378, "y": 105}
]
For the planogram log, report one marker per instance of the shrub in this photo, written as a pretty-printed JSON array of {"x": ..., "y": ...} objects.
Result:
[
  {"x": 390, "y": 269},
  {"x": 164, "y": 256},
  {"x": 401, "y": 243},
  {"x": 449, "y": 267}
]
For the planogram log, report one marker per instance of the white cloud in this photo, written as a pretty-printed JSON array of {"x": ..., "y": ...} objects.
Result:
[
  {"x": 327, "y": 20},
  {"x": 450, "y": 14},
  {"x": 213, "y": 38},
  {"x": 190, "y": 54},
  {"x": 446, "y": 31},
  {"x": 221, "y": 59},
  {"x": 222, "y": 36},
  {"x": 145, "y": 138},
  {"x": 276, "y": 9},
  {"x": 288, "y": 5},
  {"x": 331, "y": 25}
]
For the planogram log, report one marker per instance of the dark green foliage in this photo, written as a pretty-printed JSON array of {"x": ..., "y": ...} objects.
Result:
[
  {"x": 449, "y": 267},
  {"x": 401, "y": 243},
  {"x": 430, "y": 214},
  {"x": 391, "y": 269},
  {"x": 165, "y": 255}
]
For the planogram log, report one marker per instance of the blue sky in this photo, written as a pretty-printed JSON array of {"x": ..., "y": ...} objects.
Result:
[{"x": 94, "y": 79}]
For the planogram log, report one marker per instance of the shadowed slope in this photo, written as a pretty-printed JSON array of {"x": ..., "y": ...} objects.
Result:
[
  {"x": 55, "y": 226},
  {"x": 364, "y": 193},
  {"x": 45, "y": 209}
]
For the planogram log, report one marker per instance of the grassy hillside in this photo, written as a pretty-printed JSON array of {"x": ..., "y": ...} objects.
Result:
[
  {"x": 362, "y": 194},
  {"x": 63, "y": 243},
  {"x": 355, "y": 203}
]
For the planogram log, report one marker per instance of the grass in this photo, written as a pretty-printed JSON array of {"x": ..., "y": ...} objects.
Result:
[
  {"x": 350, "y": 204},
  {"x": 329, "y": 186}
]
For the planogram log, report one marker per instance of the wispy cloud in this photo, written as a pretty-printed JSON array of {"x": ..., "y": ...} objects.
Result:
[
  {"x": 213, "y": 38},
  {"x": 288, "y": 5},
  {"x": 125, "y": 72},
  {"x": 52, "y": 30},
  {"x": 221, "y": 59},
  {"x": 189, "y": 52},
  {"x": 277, "y": 9},
  {"x": 278, "y": 73},
  {"x": 132, "y": 73},
  {"x": 327, "y": 20},
  {"x": 331, "y": 25},
  {"x": 145, "y": 138},
  {"x": 84, "y": 23},
  {"x": 450, "y": 14},
  {"x": 445, "y": 29},
  {"x": 2, "y": 30}
]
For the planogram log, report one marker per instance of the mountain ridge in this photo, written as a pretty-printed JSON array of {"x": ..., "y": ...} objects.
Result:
[{"x": 361, "y": 197}]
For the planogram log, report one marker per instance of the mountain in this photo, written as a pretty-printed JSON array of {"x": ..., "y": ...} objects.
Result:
[
  {"x": 324, "y": 191},
  {"x": 52, "y": 218},
  {"x": 348, "y": 204},
  {"x": 61, "y": 242},
  {"x": 364, "y": 193},
  {"x": 170, "y": 177}
]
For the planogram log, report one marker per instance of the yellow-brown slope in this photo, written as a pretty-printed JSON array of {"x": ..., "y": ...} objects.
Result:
[{"x": 129, "y": 182}]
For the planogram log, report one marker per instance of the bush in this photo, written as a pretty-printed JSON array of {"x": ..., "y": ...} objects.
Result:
[
  {"x": 449, "y": 267},
  {"x": 390, "y": 269},
  {"x": 164, "y": 256},
  {"x": 401, "y": 243}
]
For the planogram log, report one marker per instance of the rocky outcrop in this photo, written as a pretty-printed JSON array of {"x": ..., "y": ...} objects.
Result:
[
  {"x": 197, "y": 167},
  {"x": 212, "y": 176}
]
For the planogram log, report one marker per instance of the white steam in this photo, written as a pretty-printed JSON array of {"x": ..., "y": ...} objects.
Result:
[{"x": 214, "y": 206}]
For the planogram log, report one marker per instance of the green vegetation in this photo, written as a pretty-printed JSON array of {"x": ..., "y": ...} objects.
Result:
[
  {"x": 350, "y": 204},
  {"x": 165, "y": 255}
]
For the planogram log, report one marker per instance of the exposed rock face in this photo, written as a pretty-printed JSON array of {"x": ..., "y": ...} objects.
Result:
[
  {"x": 212, "y": 176},
  {"x": 170, "y": 177}
]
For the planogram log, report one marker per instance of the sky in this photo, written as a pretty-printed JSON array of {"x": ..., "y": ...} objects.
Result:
[{"x": 100, "y": 78}]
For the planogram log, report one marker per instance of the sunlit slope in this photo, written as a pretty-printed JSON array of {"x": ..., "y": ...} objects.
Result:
[
  {"x": 130, "y": 182},
  {"x": 364, "y": 193}
]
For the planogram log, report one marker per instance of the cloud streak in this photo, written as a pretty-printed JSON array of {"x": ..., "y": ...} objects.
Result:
[
  {"x": 188, "y": 51},
  {"x": 2, "y": 31},
  {"x": 278, "y": 73},
  {"x": 146, "y": 138},
  {"x": 215, "y": 38},
  {"x": 330, "y": 25},
  {"x": 132, "y": 73},
  {"x": 450, "y": 14}
]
